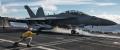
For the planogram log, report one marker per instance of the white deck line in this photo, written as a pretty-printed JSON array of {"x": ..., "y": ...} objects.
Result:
[{"x": 41, "y": 47}]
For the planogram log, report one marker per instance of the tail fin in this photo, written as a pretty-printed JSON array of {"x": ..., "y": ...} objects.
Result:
[
  {"x": 40, "y": 12},
  {"x": 30, "y": 12}
]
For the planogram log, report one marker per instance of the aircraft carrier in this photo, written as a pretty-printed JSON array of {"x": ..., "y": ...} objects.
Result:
[{"x": 55, "y": 41}]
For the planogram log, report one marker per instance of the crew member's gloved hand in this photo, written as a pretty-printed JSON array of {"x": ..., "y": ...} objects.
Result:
[{"x": 37, "y": 33}]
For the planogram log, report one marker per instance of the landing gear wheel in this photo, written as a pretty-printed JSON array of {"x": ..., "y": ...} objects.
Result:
[{"x": 73, "y": 32}]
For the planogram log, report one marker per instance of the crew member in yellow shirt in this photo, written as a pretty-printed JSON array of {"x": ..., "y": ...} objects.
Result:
[{"x": 26, "y": 36}]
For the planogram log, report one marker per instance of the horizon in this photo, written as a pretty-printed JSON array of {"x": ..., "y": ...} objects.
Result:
[{"x": 107, "y": 9}]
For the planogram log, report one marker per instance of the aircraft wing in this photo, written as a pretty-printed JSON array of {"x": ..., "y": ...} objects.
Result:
[{"x": 44, "y": 18}]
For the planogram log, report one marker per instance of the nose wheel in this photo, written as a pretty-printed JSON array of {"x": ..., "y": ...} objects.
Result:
[{"x": 74, "y": 32}]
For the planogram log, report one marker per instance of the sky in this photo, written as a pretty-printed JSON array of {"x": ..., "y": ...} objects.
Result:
[{"x": 107, "y": 9}]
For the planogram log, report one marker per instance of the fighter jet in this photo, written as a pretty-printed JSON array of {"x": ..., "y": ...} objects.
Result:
[{"x": 69, "y": 19}]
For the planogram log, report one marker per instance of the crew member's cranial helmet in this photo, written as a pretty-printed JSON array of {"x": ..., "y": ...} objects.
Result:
[{"x": 30, "y": 29}]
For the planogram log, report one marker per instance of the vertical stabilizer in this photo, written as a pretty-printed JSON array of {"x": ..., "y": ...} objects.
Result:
[
  {"x": 30, "y": 12},
  {"x": 40, "y": 12}
]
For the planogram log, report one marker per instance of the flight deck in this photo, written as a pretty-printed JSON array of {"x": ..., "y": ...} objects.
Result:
[{"x": 54, "y": 41}]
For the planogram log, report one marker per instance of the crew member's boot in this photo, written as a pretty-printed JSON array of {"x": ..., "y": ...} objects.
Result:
[
  {"x": 16, "y": 44},
  {"x": 29, "y": 45}
]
